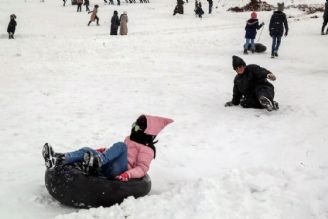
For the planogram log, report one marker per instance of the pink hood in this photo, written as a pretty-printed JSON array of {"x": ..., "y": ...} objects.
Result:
[{"x": 155, "y": 124}]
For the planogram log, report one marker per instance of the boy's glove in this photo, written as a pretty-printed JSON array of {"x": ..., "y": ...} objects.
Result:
[
  {"x": 262, "y": 23},
  {"x": 230, "y": 103},
  {"x": 271, "y": 77},
  {"x": 124, "y": 177}
]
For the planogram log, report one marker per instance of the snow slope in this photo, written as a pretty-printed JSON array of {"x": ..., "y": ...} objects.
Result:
[{"x": 72, "y": 85}]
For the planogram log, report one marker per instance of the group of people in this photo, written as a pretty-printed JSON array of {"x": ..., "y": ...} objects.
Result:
[
  {"x": 198, "y": 8},
  {"x": 119, "y": 22},
  {"x": 277, "y": 28},
  {"x": 116, "y": 22}
]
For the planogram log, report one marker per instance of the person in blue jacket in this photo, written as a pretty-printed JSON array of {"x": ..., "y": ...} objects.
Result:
[
  {"x": 251, "y": 28},
  {"x": 278, "y": 25}
]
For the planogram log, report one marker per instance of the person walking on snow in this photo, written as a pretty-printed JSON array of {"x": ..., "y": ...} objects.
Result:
[
  {"x": 199, "y": 10},
  {"x": 115, "y": 23},
  {"x": 123, "y": 160},
  {"x": 94, "y": 15},
  {"x": 64, "y": 3},
  {"x": 124, "y": 23},
  {"x": 12, "y": 26},
  {"x": 325, "y": 19},
  {"x": 278, "y": 23},
  {"x": 251, "y": 87},
  {"x": 251, "y": 28}
]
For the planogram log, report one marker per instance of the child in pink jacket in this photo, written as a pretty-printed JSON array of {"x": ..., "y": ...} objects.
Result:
[{"x": 123, "y": 160}]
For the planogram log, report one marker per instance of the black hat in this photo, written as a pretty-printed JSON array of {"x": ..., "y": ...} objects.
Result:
[{"x": 237, "y": 61}]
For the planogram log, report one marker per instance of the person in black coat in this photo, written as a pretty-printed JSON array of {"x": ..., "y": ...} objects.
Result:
[
  {"x": 325, "y": 19},
  {"x": 210, "y": 5},
  {"x": 199, "y": 10},
  {"x": 278, "y": 23},
  {"x": 115, "y": 23},
  {"x": 87, "y": 3},
  {"x": 251, "y": 28},
  {"x": 12, "y": 26},
  {"x": 251, "y": 87},
  {"x": 179, "y": 7}
]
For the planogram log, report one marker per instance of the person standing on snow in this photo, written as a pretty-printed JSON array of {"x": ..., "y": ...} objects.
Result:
[
  {"x": 123, "y": 160},
  {"x": 199, "y": 10},
  {"x": 124, "y": 24},
  {"x": 64, "y": 3},
  {"x": 210, "y": 5},
  {"x": 94, "y": 15},
  {"x": 325, "y": 19},
  {"x": 12, "y": 26},
  {"x": 278, "y": 23},
  {"x": 251, "y": 87},
  {"x": 115, "y": 23},
  {"x": 251, "y": 28},
  {"x": 79, "y": 5},
  {"x": 87, "y": 3}
]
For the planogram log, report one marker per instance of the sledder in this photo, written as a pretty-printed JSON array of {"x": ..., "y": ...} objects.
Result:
[
  {"x": 251, "y": 87},
  {"x": 122, "y": 161},
  {"x": 85, "y": 178}
]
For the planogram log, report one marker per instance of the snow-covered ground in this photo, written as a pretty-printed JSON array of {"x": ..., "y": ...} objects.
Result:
[{"x": 72, "y": 85}]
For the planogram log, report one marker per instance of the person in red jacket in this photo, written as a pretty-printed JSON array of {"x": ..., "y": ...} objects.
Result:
[{"x": 123, "y": 160}]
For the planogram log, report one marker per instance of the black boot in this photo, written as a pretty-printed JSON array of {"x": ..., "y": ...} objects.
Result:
[
  {"x": 48, "y": 156},
  {"x": 90, "y": 164},
  {"x": 266, "y": 103}
]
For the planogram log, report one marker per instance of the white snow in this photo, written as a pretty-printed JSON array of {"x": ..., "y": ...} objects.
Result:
[{"x": 72, "y": 85}]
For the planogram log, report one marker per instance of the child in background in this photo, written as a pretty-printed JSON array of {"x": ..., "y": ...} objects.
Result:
[{"x": 251, "y": 28}]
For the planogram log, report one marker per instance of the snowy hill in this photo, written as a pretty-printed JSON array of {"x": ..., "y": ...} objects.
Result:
[{"x": 73, "y": 85}]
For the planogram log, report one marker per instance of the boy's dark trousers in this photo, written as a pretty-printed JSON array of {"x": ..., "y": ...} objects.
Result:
[{"x": 79, "y": 7}]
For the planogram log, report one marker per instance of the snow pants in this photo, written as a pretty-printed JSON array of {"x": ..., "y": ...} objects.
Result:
[
  {"x": 252, "y": 100},
  {"x": 114, "y": 160}
]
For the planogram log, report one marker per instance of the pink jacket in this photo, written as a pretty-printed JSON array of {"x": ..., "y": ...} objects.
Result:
[{"x": 139, "y": 158}]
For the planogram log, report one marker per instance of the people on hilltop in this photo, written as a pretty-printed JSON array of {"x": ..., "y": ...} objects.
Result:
[
  {"x": 325, "y": 19},
  {"x": 122, "y": 161},
  {"x": 115, "y": 23},
  {"x": 124, "y": 23},
  {"x": 251, "y": 88},
  {"x": 252, "y": 25},
  {"x": 94, "y": 16},
  {"x": 12, "y": 26},
  {"x": 277, "y": 27}
]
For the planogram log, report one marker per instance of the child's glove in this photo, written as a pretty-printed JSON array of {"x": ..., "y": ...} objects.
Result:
[
  {"x": 271, "y": 77},
  {"x": 124, "y": 177},
  {"x": 262, "y": 23}
]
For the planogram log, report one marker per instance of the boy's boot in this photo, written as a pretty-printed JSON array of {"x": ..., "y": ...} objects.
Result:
[
  {"x": 266, "y": 103},
  {"x": 245, "y": 51}
]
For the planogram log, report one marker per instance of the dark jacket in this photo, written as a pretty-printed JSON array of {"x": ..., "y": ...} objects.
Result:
[
  {"x": 325, "y": 14},
  {"x": 277, "y": 24},
  {"x": 115, "y": 23},
  {"x": 11, "y": 26},
  {"x": 251, "y": 26},
  {"x": 247, "y": 84}
]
